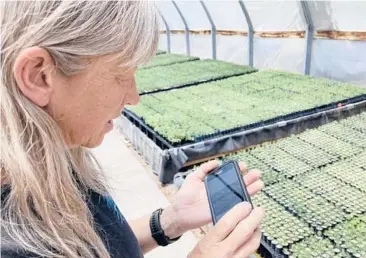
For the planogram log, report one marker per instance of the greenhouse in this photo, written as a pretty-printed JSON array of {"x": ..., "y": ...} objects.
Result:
[{"x": 280, "y": 85}]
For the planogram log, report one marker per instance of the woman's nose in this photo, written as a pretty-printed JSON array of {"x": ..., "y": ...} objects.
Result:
[{"x": 133, "y": 94}]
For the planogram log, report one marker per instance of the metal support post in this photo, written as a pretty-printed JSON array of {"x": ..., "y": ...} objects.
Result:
[
  {"x": 213, "y": 29},
  {"x": 186, "y": 28},
  {"x": 250, "y": 33}
]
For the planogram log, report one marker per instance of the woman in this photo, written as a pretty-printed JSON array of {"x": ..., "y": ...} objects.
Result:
[{"x": 67, "y": 71}]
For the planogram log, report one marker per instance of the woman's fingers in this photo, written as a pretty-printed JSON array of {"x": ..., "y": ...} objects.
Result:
[
  {"x": 255, "y": 187},
  {"x": 245, "y": 229},
  {"x": 229, "y": 222},
  {"x": 252, "y": 182},
  {"x": 251, "y": 246},
  {"x": 252, "y": 176}
]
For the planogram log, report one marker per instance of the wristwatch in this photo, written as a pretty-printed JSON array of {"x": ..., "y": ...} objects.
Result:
[{"x": 157, "y": 232}]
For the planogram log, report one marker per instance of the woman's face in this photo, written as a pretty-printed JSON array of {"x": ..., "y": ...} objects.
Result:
[{"x": 85, "y": 104}]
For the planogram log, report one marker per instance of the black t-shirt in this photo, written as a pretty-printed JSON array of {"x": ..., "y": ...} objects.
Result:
[{"x": 110, "y": 224}]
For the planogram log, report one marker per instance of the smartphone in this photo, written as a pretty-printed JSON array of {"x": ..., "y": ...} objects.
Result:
[{"x": 225, "y": 188}]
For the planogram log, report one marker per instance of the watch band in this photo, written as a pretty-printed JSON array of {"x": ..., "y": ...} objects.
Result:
[{"x": 157, "y": 232}]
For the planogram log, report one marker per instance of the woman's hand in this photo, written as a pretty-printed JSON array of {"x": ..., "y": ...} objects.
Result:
[
  {"x": 190, "y": 208},
  {"x": 236, "y": 235}
]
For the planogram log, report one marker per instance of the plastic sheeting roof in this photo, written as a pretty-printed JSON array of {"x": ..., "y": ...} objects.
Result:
[{"x": 337, "y": 47}]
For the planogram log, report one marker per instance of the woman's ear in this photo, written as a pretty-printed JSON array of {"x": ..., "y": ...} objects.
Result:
[{"x": 32, "y": 71}]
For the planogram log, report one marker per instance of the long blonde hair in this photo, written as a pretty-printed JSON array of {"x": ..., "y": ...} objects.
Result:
[{"x": 45, "y": 212}]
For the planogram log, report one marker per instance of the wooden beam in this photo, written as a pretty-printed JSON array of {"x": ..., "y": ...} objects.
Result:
[
  {"x": 339, "y": 35},
  {"x": 342, "y": 35}
]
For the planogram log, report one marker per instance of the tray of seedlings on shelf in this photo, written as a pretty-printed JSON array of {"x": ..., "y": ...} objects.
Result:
[
  {"x": 349, "y": 173},
  {"x": 318, "y": 207},
  {"x": 330, "y": 144},
  {"x": 281, "y": 229},
  {"x": 314, "y": 209},
  {"x": 342, "y": 195},
  {"x": 344, "y": 133},
  {"x": 180, "y": 75},
  {"x": 357, "y": 123},
  {"x": 306, "y": 152},
  {"x": 175, "y": 128},
  {"x": 317, "y": 246}
]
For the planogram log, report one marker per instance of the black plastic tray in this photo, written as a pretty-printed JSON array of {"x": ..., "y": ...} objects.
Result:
[
  {"x": 267, "y": 251},
  {"x": 166, "y": 144},
  {"x": 176, "y": 157}
]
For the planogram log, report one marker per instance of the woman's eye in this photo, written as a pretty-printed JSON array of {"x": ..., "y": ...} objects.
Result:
[{"x": 123, "y": 80}]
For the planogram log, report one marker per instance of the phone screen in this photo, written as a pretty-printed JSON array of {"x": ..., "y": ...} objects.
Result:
[{"x": 224, "y": 190}]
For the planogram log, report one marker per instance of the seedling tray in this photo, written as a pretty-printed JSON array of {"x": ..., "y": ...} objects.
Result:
[
  {"x": 159, "y": 78},
  {"x": 196, "y": 82},
  {"x": 191, "y": 114},
  {"x": 318, "y": 210},
  {"x": 329, "y": 198},
  {"x": 166, "y": 159}
]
